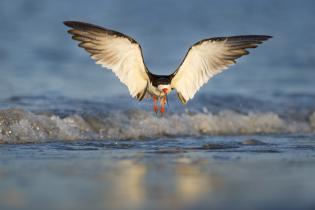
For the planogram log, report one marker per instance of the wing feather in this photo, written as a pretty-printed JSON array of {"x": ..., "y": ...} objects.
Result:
[
  {"x": 207, "y": 58},
  {"x": 116, "y": 51}
]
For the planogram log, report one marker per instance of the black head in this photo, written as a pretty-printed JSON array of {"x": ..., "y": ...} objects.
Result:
[{"x": 160, "y": 80}]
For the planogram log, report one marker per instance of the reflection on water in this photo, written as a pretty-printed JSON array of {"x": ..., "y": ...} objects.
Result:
[
  {"x": 12, "y": 198},
  {"x": 192, "y": 183},
  {"x": 137, "y": 185},
  {"x": 128, "y": 190},
  {"x": 98, "y": 175}
]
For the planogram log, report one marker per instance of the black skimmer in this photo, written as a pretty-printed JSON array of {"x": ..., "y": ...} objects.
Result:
[{"x": 123, "y": 55}]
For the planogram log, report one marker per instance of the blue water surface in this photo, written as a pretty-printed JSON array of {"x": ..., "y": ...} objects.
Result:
[{"x": 71, "y": 137}]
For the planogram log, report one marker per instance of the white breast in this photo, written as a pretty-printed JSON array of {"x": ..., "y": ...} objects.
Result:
[
  {"x": 168, "y": 87},
  {"x": 153, "y": 91}
]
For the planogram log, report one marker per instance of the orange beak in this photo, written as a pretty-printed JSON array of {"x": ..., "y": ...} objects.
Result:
[{"x": 165, "y": 90}]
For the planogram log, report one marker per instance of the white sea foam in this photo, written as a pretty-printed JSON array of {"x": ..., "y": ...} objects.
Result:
[
  {"x": 312, "y": 121},
  {"x": 20, "y": 126}
]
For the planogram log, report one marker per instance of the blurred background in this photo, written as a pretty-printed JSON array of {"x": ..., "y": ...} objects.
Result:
[
  {"x": 245, "y": 142},
  {"x": 37, "y": 56}
]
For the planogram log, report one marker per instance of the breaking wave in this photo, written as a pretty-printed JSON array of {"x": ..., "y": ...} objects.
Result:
[{"x": 40, "y": 120}]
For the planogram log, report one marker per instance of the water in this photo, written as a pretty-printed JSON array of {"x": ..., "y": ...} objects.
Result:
[
  {"x": 273, "y": 172},
  {"x": 42, "y": 119},
  {"x": 72, "y": 138}
]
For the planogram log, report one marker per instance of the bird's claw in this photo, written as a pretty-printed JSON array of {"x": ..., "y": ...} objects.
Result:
[{"x": 163, "y": 102}]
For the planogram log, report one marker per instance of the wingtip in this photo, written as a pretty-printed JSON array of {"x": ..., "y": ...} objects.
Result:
[
  {"x": 69, "y": 23},
  {"x": 260, "y": 37},
  {"x": 181, "y": 98},
  {"x": 76, "y": 24},
  {"x": 265, "y": 37}
]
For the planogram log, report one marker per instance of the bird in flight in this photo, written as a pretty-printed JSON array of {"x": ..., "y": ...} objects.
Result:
[{"x": 123, "y": 55}]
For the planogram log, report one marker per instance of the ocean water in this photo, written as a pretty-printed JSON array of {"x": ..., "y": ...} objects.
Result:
[
  {"x": 217, "y": 172},
  {"x": 71, "y": 137}
]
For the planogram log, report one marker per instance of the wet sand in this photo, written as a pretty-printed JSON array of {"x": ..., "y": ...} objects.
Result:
[{"x": 218, "y": 172}]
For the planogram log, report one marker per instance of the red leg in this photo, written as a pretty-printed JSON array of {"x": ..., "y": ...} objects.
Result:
[
  {"x": 163, "y": 102},
  {"x": 155, "y": 106}
]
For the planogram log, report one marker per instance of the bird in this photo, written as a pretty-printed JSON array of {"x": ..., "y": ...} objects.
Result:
[{"x": 123, "y": 55}]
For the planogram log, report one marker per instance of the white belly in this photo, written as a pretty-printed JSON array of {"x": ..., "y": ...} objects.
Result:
[{"x": 153, "y": 91}]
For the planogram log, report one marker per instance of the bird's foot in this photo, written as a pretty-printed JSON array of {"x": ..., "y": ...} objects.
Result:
[
  {"x": 163, "y": 102},
  {"x": 162, "y": 110},
  {"x": 155, "y": 107}
]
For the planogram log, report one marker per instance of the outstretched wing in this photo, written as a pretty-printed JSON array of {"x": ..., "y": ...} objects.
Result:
[
  {"x": 207, "y": 58},
  {"x": 115, "y": 51}
]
